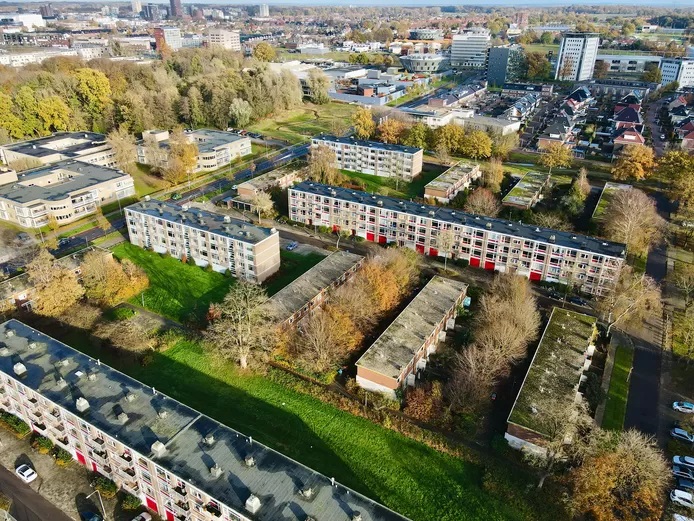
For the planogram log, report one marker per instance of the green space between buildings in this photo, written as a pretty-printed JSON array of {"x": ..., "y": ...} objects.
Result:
[{"x": 618, "y": 393}]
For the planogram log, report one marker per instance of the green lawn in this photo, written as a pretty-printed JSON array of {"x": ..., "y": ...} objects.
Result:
[
  {"x": 178, "y": 291},
  {"x": 292, "y": 264},
  {"x": 146, "y": 183},
  {"x": 617, "y": 395},
  {"x": 397, "y": 188},
  {"x": 540, "y": 47},
  {"x": 301, "y": 124}
]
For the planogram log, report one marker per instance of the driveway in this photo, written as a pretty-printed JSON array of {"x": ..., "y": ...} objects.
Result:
[{"x": 658, "y": 144}]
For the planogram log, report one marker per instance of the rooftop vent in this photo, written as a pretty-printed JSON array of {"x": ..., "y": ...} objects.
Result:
[
  {"x": 356, "y": 516},
  {"x": 161, "y": 211},
  {"x": 9, "y": 333},
  {"x": 162, "y": 414},
  {"x": 147, "y": 198},
  {"x": 253, "y": 504},
  {"x": 489, "y": 225},
  {"x": 379, "y": 202},
  {"x": 209, "y": 439},
  {"x": 216, "y": 471},
  {"x": 185, "y": 207},
  {"x": 82, "y": 404},
  {"x": 4, "y": 351},
  {"x": 537, "y": 230},
  {"x": 249, "y": 461},
  {"x": 91, "y": 377},
  {"x": 33, "y": 345},
  {"x": 158, "y": 449},
  {"x": 123, "y": 417},
  {"x": 306, "y": 492},
  {"x": 130, "y": 397},
  {"x": 574, "y": 237},
  {"x": 64, "y": 362},
  {"x": 227, "y": 219},
  {"x": 62, "y": 384},
  {"x": 552, "y": 238},
  {"x": 19, "y": 369}
]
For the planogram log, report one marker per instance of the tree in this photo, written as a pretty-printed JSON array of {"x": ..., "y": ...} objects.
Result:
[
  {"x": 502, "y": 145},
  {"x": 678, "y": 167},
  {"x": 623, "y": 476},
  {"x": 652, "y": 73},
  {"x": 390, "y": 130},
  {"x": 55, "y": 287},
  {"x": 556, "y": 155},
  {"x": 483, "y": 202},
  {"x": 264, "y": 52},
  {"x": 264, "y": 205},
  {"x": 443, "y": 154},
  {"x": 601, "y": 69},
  {"x": 322, "y": 166},
  {"x": 551, "y": 220},
  {"x": 325, "y": 339},
  {"x": 476, "y": 144},
  {"x": 635, "y": 296},
  {"x": 566, "y": 69},
  {"x": 546, "y": 37},
  {"x": 8, "y": 119},
  {"x": 363, "y": 122},
  {"x": 243, "y": 331},
  {"x": 449, "y": 136},
  {"x": 633, "y": 220},
  {"x": 539, "y": 67},
  {"x": 574, "y": 200},
  {"x": 124, "y": 149},
  {"x": 318, "y": 83},
  {"x": 445, "y": 243},
  {"x": 240, "y": 112},
  {"x": 183, "y": 157},
  {"x": 54, "y": 114},
  {"x": 635, "y": 162},
  {"x": 108, "y": 281},
  {"x": 101, "y": 220},
  {"x": 417, "y": 136},
  {"x": 493, "y": 174},
  {"x": 683, "y": 279},
  {"x": 93, "y": 90},
  {"x": 383, "y": 284},
  {"x": 424, "y": 402}
]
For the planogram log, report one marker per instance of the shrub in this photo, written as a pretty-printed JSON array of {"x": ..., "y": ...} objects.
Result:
[
  {"x": 190, "y": 261},
  {"x": 41, "y": 444},
  {"x": 358, "y": 238},
  {"x": 146, "y": 359},
  {"x": 14, "y": 424},
  {"x": 130, "y": 502},
  {"x": 120, "y": 314},
  {"x": 62, "y": 457},
  {"x": 208, "y": 267},
  {"x": 105, "y": 486},
  {"x": 5, "y": 502}
]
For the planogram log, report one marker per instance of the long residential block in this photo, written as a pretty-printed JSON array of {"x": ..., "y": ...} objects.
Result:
[
  {"x": 182, "y": 464},
  {"x": 372, "y": 157},
  {"x": 66, "y": 191},
  {"x": 247, "y": 251},
  {"x": 458, "y": 177},
  {"x": 528, "y": 191},
  {"x": 590, "y": 264},
  {"x": 555, "y": 376},
  {"x": 403, "y": 349}
]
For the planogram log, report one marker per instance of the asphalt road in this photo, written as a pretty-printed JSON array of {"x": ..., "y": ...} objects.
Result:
[{"x": 28, "y": 505}]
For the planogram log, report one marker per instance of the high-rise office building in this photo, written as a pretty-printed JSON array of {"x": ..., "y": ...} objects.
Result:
[
  {"x": 263, "y": 10},
  {"x": 577, "y": 55},
  {"x": 176, "y": 9},
  {"x": 680, "y": 70},
  {"x": 171, "y": 36},
  {"x": 505, "y": 64},
  {"x": 47, "y": 11},
  {"x": 136, "y": 6},
  {"x": 469, "y": 48},
  {"x": 152, "y": 12}
]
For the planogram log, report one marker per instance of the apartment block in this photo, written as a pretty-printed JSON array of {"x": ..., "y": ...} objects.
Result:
[
  {"x": 169, "y": 36},
  {"x": 67, "y": 191},
  {"x": 246, "y": 192},
  {"x": 308, "y": 292},
  {"x": 394, "y": 359},
  {"x": 556, "y": 374},
  {"x": 458, "y": 177},
  {"x": 88, "y": 147},
  {"x": 590, "y": 264},
  {"x": 528, "y": 191},
  {"x": 505, "y": 64},
  {"x": 577, "y": 55},
  {"x": 180, "y": 463},
  {"x": 372, "y": 157},
  {"x": 230, "y": 40},
  {"x": 215, "y": 148},
  {"x": 469, "y": 48},
  {"x": 680, "y": 70},
  {"x": 248, "y": 252}
]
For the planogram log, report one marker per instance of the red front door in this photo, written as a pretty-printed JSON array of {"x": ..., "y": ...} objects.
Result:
[
  {"x": 169, "y": 516},
  {"x": 535, "y": 275},
  {"x": 370, "y": 236},
  {"x": 433, "y": 252},
  {"x": 474, "y": 262},
  {"x": 81, "y": 458},
  {"x": 488, "y": 265},
  {"x": 152, "y": 505},
  {"x": 382, "y": 239},
  {"x": 94, "y": 468}
]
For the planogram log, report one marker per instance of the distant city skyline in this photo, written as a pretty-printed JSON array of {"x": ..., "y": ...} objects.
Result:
[{"x": 403, "y": 3}]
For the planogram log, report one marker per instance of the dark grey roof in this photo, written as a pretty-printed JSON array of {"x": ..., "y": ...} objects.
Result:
[
  {"x": 275, "y": 478},
  {"x": 369, "y": 144},
  {"x": 203, "y": 220},
  {"x": 84, "y": 176},
  {"x": 628, "y": 115},
  {"x": 438, "y": 213},
  {"x": 40, "y": 147},
  {"x": 580, "y": 95},
  {"x": 522, "y": 86}
]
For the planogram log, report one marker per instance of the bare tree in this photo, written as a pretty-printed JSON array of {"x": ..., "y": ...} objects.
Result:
[
  {"x": 483, "y": 202},
  {"x": 493, "y": 174},
  {"x": 634, "y": 220},
  {"x": 55, "y": 287},
  {"x": 322, "y": 166},
  {"x": 476, "y": 372},
  {"x": 683, "y": 279},
  {"x": 552, "y": 220},
  {"x": 264, "y": 206},
  {"x": 357, "y": 301},
  {"x": 124, "y": 148},
  {"x": 635, "y": 296},
  {"x": 445, "y": 242},
  {"x": 243, "y": 329}
]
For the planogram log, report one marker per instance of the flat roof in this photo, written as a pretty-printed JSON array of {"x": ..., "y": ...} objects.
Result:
[
  {"x": 207, "y": 140},
  {"x": 368, "y": 144},
  {"x": 203, "y": 220},
  {"x": 554, "y": 372},
  {"x": 70, "y": 144},
  {"x": 608, "y": 192},
  {"x": 398, "y": 344},
  {"x": 296, "y": 295},
  {"x": 275, "y": 478},
  {"x": 460, "y": 170},
  {"x": 265, "y": 181},
  {"x": 458, "y": 217},
  {"x": 80, "y": 176},
  {"x": 526, "y": 189}
]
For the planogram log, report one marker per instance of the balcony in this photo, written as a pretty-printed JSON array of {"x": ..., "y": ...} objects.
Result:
[
  {"x": 131, "y": 487},
  {"x": 181, "y": 507},
  {"x": 100, "y": 456},
  {"x": 126, "y": 457},
  {"x": 213, "y": 509},
  {"x": 99, "y": 441},
  {"x": 179, "y": 494},
  {"x": 127, "y": 474},
  {"x": 39, "y": 427}
]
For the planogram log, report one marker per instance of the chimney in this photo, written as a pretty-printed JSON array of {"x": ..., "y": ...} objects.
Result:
[
  {"x": 82, "y": 404},
  {"x": 147, "y": 198},
  {"x": 4, "y": 351},
  {"x": 162, "y": 414},
  {"x": 19, "y": 369},
  {"x": 253, "y": 504},
  {"x": 250, "y": 461},
  {"x": 158, "y": 449},
  {"x": 216, "y": 471},
  {"x": 209, "y": 440},
  {"x": 91, "y": 377},
  {"x": 356, "y": 516},
  {"x": 130, "y": 397},
  {"x": 62, "y": 384},
  {"x": 123, "y": 417},
  {"x": 306, "y": 492}
]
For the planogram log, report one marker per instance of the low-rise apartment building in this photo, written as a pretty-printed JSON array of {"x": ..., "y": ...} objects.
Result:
[
  {"x": 248, "y": 252},
  {"x": 372, "y": 157},
  {"x": 403, "y": 349},
  {"x": 590, "y": 264},
  {"x": 88, "y": 147},
  {"x": 528, "y": 191},
  {"x": 67, "y": 191},
  {"x": 555, "y": 375},
  {"x": 281, "y": 178},
  {"x": 230, "y": 40},
  {"x": 521, "y": 89},
  {"x": 180, "y": 463},
  {"x": 305, "y": 294},
  {"x": 215, "y": 148},
  {"x": 608, "y": 192},
  {"x": 446, "y": 186}
]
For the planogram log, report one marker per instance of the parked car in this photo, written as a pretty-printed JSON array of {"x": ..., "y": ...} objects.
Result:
[
  {"x": 682, "y": 472},
  {"x": 681, "y": 434},
  {"x": 555, "y": 295},
  {"x": 578, "y": 301},
  {"x": 23, "y": 236},
  {"x": 680, "y": 517},
  {"x": 685, "y": 484},
  {"x": 143, "y": 517},
  {"x": 685, "y": 407},
  {"x": 682, "y": 498},
  {"x": 63, "y": 242},
  {"x": 91, "y": 516},
  {"x": 176, "y": 196},
  {"x": 26, "y": 473},
  {"x": 662, "y": 137},
  {"x": 684, "y": 461},
  {"x": 292, "y": 246}
]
